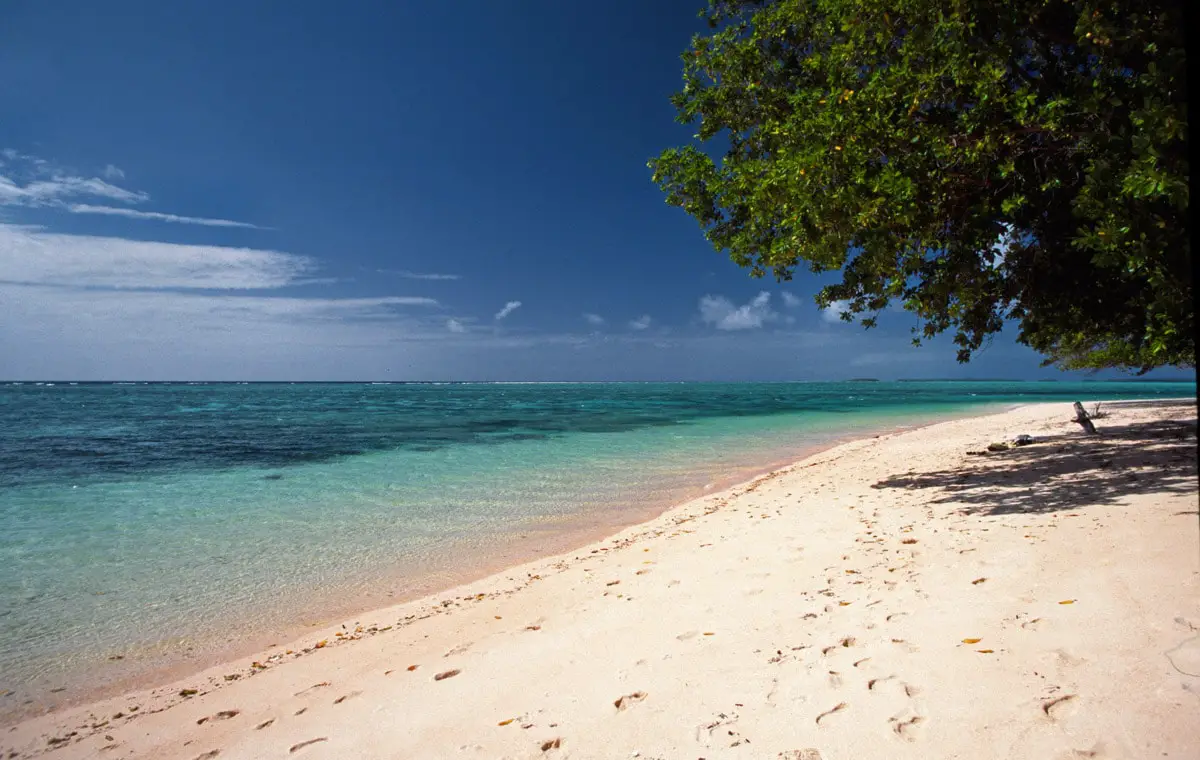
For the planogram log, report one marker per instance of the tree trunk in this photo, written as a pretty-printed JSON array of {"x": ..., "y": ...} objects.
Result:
[{"x": 1081, "y": 416}]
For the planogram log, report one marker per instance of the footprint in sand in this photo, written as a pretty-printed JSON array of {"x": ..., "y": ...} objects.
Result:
[
  {"x": 629, "y": 699},
  {"x": 835, "y": 709},
  {"x": 1057, "y": 707},
  {"x": 302, "y": 745},
  {"x": 223, "y": 715},
  {"x": 344, "y": 697},
  {"x": 706, "y": 732},
  {"x": 321, "y": 685},
  {"x": 907, "y": 728},
  {"x": 688, "y": 635}
]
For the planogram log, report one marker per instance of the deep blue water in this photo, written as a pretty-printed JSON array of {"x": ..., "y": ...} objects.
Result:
[{"x": 74, "y": 434}]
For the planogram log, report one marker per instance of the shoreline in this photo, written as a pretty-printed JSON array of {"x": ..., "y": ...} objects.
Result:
[
  {"x": 574, "y": 532},
  {"x": 442, "y": 603}
]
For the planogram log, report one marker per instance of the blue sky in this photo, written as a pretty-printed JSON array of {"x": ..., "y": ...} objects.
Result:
[{"x": 207, "y": 190}]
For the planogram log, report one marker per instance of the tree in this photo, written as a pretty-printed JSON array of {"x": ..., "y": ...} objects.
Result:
[{"x": 976, "y": 161}]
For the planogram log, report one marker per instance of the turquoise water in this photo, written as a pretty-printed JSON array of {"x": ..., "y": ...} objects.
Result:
[{"x": 167, "y": 523}]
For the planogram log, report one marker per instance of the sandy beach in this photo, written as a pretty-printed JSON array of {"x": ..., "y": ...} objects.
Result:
[{"x": 902, "y": 596}]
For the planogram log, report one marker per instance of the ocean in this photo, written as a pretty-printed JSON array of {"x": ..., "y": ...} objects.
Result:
[{"x": 150, "y": 527}]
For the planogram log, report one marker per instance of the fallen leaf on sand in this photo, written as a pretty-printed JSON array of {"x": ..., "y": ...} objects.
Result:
[
  {"x": 505, "y": 722},
  {"x": 844, "y": 604},
  {"x": 972, "y": 641},
  {"x": 1067, "y": 601},
  {"x": 985, "y": 651},
  {"x": 533, "y": 628},
  {"x": 977, "y": 581},
  {"x": 710, "y": 633},
  {"x": 446, "y": 674},
  {"x": 412, "y": 667},
  {"x": 909, "y": 541}
]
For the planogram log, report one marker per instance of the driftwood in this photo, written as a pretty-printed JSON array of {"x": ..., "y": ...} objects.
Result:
[{"x": 1081, "y": 417}]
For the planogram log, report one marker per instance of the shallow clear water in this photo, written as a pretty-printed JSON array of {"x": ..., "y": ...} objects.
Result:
[{"x": 156, "y": 523}]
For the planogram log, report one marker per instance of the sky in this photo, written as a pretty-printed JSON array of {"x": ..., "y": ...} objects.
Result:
[{"x": 382, "y": 191}]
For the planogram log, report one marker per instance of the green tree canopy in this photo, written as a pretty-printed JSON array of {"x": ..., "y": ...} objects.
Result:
[{"x": 974, "y": 160}]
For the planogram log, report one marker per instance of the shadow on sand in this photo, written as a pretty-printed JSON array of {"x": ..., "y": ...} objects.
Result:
[{"x": 1072, "y": 470}]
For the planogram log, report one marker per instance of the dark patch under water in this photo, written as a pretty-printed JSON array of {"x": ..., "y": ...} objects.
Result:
[{"x": 98, "y": 432}]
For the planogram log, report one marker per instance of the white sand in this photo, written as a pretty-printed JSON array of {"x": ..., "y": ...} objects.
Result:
[{"x": 820, "y": 611}]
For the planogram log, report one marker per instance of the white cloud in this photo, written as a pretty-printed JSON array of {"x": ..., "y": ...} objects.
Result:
[
  {"x": 33, "y": 182},
  {"x": 509, "y": 308},
  {"x": 419, "y": 275},
  {"x": 29, "y": 255},
  {"x": 641, "y": 323},
  {"x": 595, "y": 320},
  {"x": 723, "y": 314},
  {"x": 454, "y": 326},
  {"x": 790, "y": 300},
  {"x": 84, "y": 208},
  {"x": 99, "y": 307},
  {"x": 46, "y": 192},
  {"x": 835, "y": 310}
]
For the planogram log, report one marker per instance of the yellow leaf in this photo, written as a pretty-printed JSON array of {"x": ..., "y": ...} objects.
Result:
[
  {"x": 985, "y": 651},
  {"x": 709, "y": 633},
  {"x": 505, "y": 722},
  {"x": 972, "y": 641},
  {"x": 1067, "y": 601},
  {"x": 843, "y": 604}
]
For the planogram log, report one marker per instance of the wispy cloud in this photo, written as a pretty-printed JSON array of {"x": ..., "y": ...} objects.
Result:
[
  {"x": 84, "y": 208},
  {"x": 641, "y": 323},
  {"x": 509, "y": 308},
  {"x": 723, "y": 314},
  {"x": 102, "y": 307},
  {"x": 595, "y": 320},
  {"x": 45, "y": 192},
  {"x": 419, "y": 275},
  {"x": 790, "y": 301},
  {"x": 35, "y": 183},
  {"x": 32, "y": 256},
  {"x": 455, "y": 326}
]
